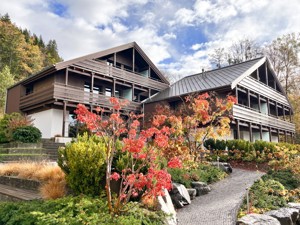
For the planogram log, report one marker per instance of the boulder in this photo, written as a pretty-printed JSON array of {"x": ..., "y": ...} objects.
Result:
[
  {"x": 167, "y": 207},
  {"x": 178, "y": 200},
  {"x": 294, "y": 205},
  {"x": 183, "y": 191},
  {"x": 257, "y": 219},
  {"x": 201, "y": 188},
  {"x": 286, "y": 216},
  {"x": 192, "y": 192},
  {"x": 226, "y": 167}
]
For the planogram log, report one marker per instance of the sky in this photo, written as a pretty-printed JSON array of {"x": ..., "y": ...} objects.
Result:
[{"x": 177, "y": 35}]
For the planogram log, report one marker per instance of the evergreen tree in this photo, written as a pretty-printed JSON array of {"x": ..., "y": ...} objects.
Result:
[
  {"x": 51, "y": 53},
  {"x": 7, "y": 79}
]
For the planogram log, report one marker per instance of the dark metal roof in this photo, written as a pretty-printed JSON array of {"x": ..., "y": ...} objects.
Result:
[{"x": 209, "y": 80}]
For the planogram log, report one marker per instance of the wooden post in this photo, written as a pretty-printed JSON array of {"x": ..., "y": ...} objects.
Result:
[
  {"x": 250, "y": 132},
  {"x": 115, "y": 59},
  {"x": 132, "y": 92},
  {"x": 257, "y": 73},
  {"x": 259, "y": 104},
  {"x": 283, "y": 108},
  {"x": 149, "y": 93},
  {"x": 64, "y": 118},
  {"x": 149, "y": 72},
  {"x": 290, "y": 112},
  {"x": 276, "y": 109},
  {"x": 238, "y": 129},
  {"x": 248, "y": 96},
  {"x": 260, "y": 132},
  {"x": 285, "y": 136},
  {"x": 237, "y": 95},
  {"x": 133, "y": 59},
  {"x": 114, "y": 88},
  {"x": 268, "y": 105},
  {"x": 270, "y": 134},
  {"x": 67, "y": 76},
  {"x": 267, "y": 79},
  {"x": 92, "y": 82}
]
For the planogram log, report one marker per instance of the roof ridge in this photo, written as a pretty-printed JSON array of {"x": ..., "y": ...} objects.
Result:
[{"x": 197, "y": 74}]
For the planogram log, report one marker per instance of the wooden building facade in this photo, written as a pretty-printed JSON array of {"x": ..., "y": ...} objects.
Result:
[
  {"x": 263, "y": 111},
  {"x": 50, "y": 96}
]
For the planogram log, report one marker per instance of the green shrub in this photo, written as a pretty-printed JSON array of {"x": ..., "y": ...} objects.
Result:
[
  {"x": 27, "y": 134},
  {"x": 267, "y": 194},
  {"x": 84, "y": 164},
  {"x": 11, "y": 122},
  {"x": 74, "y": 210},
  {"x": 204, "y": 173},
  {"x": 285, "y": 177}
]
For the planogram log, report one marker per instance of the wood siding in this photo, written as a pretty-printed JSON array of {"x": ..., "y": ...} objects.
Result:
[
  {"x": 60, "y": 92},
  {"x": 264, "y": 90},
  {"x": 110, "y": 71},
  {"x": 245, "y": 114},
  {"x": 13, "y": 99}
]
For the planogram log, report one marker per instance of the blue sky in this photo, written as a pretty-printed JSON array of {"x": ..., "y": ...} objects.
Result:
[{"x": 177, "y": 35}]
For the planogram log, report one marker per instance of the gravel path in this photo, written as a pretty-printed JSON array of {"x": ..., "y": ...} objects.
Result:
[{"x": 221, "y": 205}]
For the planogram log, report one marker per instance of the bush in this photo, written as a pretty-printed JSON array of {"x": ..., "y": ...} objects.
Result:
[
  {"x": 285, "y": 177},
  {"x": 11, "y": 122},
  {"x": 84, "y": 164},
  {"x": 27, "y": 134},
  {"x": 268, "y": 194},
  {"x": 74, "y": 210},
  {"x": 204, "y": 173}
]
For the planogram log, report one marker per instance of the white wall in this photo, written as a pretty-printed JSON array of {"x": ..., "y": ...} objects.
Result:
[{"x": 50, "y": 122}]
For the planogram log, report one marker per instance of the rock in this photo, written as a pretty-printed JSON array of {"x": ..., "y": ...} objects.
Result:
[
  {"x": 286, "y": 216},
  {"x": 294, "y": 205},
  {"x": 257, "y": 219},
  {"x": 178, "y": 200},
  {"x": 166, "y": 206},
  {"x": 201, "y": 188},
  {"x": 192, "y": 192},
  {"x": 226, "y": 167},
  {"x": 182, "y": 190}
]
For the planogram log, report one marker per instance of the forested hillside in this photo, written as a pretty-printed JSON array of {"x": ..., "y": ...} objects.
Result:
[{"x": 22, "y": 54}]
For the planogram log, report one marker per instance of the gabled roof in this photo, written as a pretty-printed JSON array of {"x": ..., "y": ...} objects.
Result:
[
  {"x": 226, "y": 77},
  {"x": 65, "y": 64}
]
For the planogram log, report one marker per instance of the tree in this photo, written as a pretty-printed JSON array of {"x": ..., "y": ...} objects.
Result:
[
  {"x": 218, "y": 57},
  {"x": 243, "y": 50},
  {"x": 200, "y": 117},
  {"x": 51, "y": 53},
  {"x": 7, "y": 79},
  {"x": 283, "y": 54},
  {"x": 142, "y": 154}
]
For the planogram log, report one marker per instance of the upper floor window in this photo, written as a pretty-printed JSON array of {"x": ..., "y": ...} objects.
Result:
[
  {"x": 87, "y": 87},
  {"x": 108, "y": 92},
  {"x": 29, "y": 90}
]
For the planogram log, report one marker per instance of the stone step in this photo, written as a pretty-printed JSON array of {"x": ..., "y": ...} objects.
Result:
[
  {"x": 8, "y": 193},
  {"x": 27, "y": 157},
  {"x": 21, "y": 150},
  {"x": 21, "y": 145},
  {"x": 20, "y": 183}
]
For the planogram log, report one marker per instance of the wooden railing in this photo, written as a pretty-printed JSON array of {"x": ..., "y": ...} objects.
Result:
[
  {"x": 110, "y": 71},
  {"x": 253, "y": 116},
  {"x": 36, "y": 97},
  {"x": 78, "y": 95},
  {"x": 72, "y": 94}
]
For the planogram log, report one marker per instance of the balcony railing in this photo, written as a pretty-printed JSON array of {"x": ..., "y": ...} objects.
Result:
[
  {"x": 110, "y": 71},
  {"x": 71, "y": 94},
  {"x": 253, "y": 116}
]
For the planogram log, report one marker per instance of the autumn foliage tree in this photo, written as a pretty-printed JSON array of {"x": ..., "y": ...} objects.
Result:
[
  {"x": 142, "y": 149},
  {"x": 200, "y": 117}
]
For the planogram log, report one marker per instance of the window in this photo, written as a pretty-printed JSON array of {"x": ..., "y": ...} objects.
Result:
[
  {"x": 117, "y": 94},
  {"x": 96, "y": 90},
  {"x": 29, "y": 90},
  {"x": 108, "y": 92},
  {"x": 87, "y": 87}
]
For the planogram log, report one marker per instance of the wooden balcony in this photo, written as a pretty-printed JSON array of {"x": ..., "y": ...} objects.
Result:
[
  {"x": 60, "y": 92},
  {"x": 106, "y": 70},
  {"x": 264, "y": 90},
  {"x": 249, "y": 115}
]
